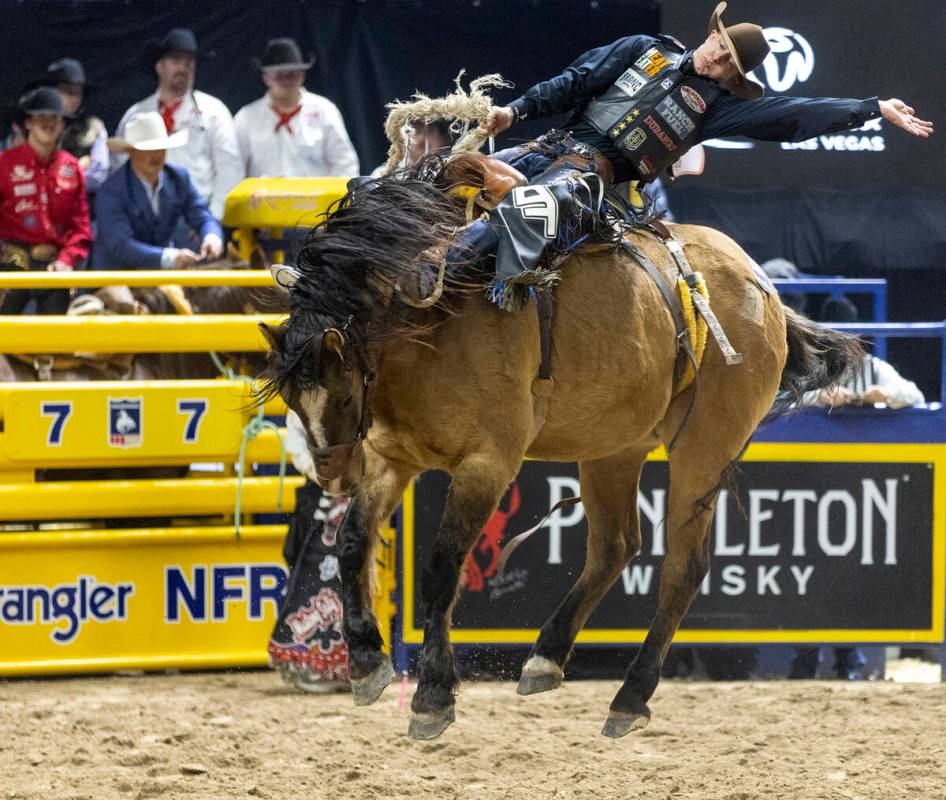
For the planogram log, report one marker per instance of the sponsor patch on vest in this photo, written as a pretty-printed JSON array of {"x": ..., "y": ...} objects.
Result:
[
  {"x": 624, "y": 123},
  {"x": 666, "y": 84},
  {"x": 652, "y": 62},
  {"x": 24, "y": 189},
  {"x": 67, "y": 171},
  {"x": 634, "y": 139},
  {"x": 630, "y": 83},
  {"x": 659, "y": 132},
  {"x": 645, "y": 167},
  {"x": 692, "y": 98},
  {"x": 676, "y": 117}
]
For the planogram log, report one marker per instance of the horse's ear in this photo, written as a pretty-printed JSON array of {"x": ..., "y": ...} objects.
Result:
[
  {"x": 285, "y": 277},
  {"x": 273, "y": 335},
  {"x": 333, "y": 340}
]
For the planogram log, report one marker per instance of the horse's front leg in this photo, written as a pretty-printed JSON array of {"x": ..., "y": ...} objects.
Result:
[
  {"x": 374, "y": 501},
  {"x": 478, "y": 485}
]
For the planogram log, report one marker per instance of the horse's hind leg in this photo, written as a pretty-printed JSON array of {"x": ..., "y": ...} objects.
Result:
[
  {"x": 375, "y": 500},
  {"x": 706, "y": 451},
  {"x": 478, "y": 484},
  {"x": 609, "y": 492}
]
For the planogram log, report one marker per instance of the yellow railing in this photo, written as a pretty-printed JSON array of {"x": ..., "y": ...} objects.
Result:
[
  {"x": 134, "y": 334},
  {"x": 93, "y": 279}
]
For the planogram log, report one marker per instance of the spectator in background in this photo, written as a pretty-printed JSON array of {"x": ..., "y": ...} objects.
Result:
[
  {"x": 291, "y": 132},
  {"x": 430, "y": 136},
  {"x": 211, "y": 155},
  {"x": 84, "y": 135},
  {"x": 44, "y": 217},
  {"x": 782, "y": 269},
  {"x": 425, "y": 137},
  {"x": 874, "y": 382},
  {"x": 141, "y": 204}
]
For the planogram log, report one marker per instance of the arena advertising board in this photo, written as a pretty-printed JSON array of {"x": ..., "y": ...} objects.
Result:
[
  {"x": 62, "y": 424},
  {"x": 834, "y": 543},
  {"x": 95, "y": 600}
]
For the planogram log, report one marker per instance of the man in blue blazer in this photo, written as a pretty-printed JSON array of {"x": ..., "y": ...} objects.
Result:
[{"x": 141, "y": 204}]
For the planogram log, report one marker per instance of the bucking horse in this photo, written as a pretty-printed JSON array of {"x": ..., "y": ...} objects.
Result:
[{"x": 388, "y": 389}]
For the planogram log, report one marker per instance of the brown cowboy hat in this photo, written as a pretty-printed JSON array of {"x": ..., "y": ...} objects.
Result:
[{"x": 749, "y": 48}]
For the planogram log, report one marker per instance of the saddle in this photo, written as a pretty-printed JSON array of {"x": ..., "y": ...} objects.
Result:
[{"x": 481, "y": 180}]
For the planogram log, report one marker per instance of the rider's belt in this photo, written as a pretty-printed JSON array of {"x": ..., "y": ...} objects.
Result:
[
  {"x": 556, "y": 144},
  {"x": 593, "y": 160},
  {"x": 587, "y": 159},
  {"x": 25, "y": 255}
]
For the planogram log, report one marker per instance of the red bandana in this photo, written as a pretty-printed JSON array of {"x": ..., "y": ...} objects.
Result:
[
  {"x": 167, "y": 113},
  {"x": 285, "y": 119}
]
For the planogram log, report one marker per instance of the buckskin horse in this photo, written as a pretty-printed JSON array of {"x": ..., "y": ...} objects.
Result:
[{"x": 387, "y": 391}]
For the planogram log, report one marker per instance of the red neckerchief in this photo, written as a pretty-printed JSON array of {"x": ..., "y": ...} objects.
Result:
[
  {"x": 167, "y": 113},
  {"x": 285, "y": 119}
]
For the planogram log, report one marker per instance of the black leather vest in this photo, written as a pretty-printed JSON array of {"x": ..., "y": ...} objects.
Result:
[{"x": 653, "y": 112}]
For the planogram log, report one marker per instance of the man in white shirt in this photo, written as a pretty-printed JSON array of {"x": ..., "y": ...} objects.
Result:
[
  {"x": 290, "y": 132},
  {"x": 211, "y": 155}
]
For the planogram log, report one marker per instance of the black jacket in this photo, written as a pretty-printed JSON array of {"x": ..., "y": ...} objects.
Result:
[{"x": 778, "y": 119}]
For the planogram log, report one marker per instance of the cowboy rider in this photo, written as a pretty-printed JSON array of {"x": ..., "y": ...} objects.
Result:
[{"x": 637, "y": 105}]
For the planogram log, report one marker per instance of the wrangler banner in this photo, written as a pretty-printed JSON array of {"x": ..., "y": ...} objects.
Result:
[
  {"x": 818, "y": 543},
  {"x": 98, "y": 600}
]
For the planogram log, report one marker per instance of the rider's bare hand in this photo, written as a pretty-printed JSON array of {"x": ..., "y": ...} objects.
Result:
[
  {"x": 497, "y": 120},
  {"x": 900, "y": 114}
]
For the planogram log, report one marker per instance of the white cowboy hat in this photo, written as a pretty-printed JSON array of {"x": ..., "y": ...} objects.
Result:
[{"x": 146, "y": 131}]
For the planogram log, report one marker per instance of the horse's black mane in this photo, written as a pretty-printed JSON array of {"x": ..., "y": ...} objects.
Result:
[{"x": 350, "y": 262}]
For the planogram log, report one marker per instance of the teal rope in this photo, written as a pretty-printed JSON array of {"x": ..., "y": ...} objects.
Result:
[{"x": 250, "y": 431}]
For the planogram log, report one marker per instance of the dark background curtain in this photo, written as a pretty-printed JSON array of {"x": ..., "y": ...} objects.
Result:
[{"x": 870, "y": 203}]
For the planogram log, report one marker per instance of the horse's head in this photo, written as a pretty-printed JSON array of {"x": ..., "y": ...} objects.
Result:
[{"x": 325, "y": 378}]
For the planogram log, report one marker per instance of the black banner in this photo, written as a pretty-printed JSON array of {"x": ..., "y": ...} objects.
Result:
[{"x": 820, "y": 546}]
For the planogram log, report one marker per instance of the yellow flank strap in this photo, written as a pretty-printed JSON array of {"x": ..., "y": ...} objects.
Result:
[{"x": 696, "y": 326}]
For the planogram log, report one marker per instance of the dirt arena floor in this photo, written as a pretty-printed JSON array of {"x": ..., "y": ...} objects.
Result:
[{"x": 216, "y": 736}]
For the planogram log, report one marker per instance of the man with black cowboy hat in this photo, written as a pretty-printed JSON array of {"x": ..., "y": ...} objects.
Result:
[
  {"x": 84, "y": 135},
  {"x": 211, "y": 155},
  {"x": 44, "y": 218},
  {"x": 291, "y": 132},
  {"x": 638, "y": 105}
]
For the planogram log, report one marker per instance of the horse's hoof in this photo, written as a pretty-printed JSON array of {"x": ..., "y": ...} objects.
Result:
[
  {"x": 539, "y": 675},
  {"x": 621, "y": 723},
  {"x": 429, "y": 725},
  {"x": 368, "y": 689},
  {"x": 313, "y": 684}
]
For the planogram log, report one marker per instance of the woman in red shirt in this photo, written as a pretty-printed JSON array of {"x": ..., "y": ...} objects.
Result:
[{"x": 44, "y": 217}]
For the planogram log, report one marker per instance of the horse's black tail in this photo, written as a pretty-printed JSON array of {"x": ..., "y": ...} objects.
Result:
[{"x": 818, "y": 358}]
